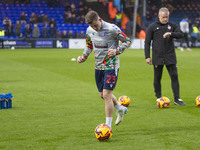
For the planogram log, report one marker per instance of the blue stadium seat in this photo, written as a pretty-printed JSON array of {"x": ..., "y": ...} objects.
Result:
[{"x": 14, "y": 12}]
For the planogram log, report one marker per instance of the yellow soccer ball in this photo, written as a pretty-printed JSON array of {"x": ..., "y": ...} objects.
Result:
[
  {"x": 124, "y": 100},
  {"x": 197, "y": 101},
  {"x": 103, "y": 132},
  {"x": 163, "y": 102}
]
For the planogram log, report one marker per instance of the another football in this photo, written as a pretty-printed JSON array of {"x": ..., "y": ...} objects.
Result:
[
  {"x": 103, "y": 132},
  {"x": 197, "y": 101},
  {"x": 124, "y": 100},
  {"x": 163, "y": 102}
]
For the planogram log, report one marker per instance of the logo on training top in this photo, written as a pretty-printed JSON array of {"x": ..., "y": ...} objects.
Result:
[
  {"x": 99, "y": 45},
  {"x": 169, "y": 27},
  {"x": 105, "y": 34}
]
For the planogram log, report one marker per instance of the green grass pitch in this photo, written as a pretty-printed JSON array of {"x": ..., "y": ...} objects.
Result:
[{"x": 56, "y": 104}]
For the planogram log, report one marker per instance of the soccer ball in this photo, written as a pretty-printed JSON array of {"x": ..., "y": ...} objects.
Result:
[
  {"x": 163, "y": 102},
  {"x": 197, "y": 101},
  {"x": 103, "y": 132},
  {"x": 124, "y": 100}
]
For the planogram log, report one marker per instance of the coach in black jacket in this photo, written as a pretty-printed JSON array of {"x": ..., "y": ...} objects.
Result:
[{"x": 161, "y": 33}]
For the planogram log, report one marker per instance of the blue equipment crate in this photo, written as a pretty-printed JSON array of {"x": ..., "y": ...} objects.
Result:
[
  {"x": 5, "y": 104},
  {"x": 6, "y": 101}
]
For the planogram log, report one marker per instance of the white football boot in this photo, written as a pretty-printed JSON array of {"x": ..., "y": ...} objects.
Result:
[{"x": 120, "y": 115}]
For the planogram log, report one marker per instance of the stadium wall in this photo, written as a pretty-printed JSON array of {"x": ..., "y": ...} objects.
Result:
[
  {"x": 57, "y": 43},
  {"x": 37, "y": 43},
  {"x": 66, "y": 43}
]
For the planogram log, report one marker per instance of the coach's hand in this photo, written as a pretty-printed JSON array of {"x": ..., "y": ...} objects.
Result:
[
  {"x": 167, "y": 34},
  {"x": 148, "y": 61},
  {"x": 111, "y": 52},
  {"x": 80, "y": 59}
]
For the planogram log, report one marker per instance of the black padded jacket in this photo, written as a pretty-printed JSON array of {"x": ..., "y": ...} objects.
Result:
[{"x": 163, "y": 51}]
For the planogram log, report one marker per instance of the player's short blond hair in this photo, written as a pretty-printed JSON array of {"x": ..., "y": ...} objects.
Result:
[
  {"x": 91, "y": 16},
  {"x": 164, "y": 10}
]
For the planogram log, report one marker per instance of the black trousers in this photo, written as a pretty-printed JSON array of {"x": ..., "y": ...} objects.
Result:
[
  {"x": 1, "y": 41},
  {"x": 172, "y": 70},
  {"x": 193, "y": 40},
  {"x": 186, "y": 39}
]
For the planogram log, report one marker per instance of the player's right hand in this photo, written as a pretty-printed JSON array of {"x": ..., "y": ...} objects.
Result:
[
  {"x": 80, "y": 59},
  {"x": 111, "y": 52}
]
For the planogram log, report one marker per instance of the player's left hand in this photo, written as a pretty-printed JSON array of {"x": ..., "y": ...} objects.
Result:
[
  {"x": 111, "y": 52},
  {"x": 167, "y": 34}
]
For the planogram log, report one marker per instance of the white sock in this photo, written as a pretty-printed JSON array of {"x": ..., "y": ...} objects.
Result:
[
  {"x": 118, "y": 106},
  {"x": 109, "y": 121}
]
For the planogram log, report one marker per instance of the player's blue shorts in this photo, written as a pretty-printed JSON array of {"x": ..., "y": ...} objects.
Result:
[{"x": 106, "y": 79}]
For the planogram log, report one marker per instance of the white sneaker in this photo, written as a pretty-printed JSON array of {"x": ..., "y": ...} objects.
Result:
[
  {"x": 189, "y": 50},
  {"x": 181, "y": 49},
  {"x": 179, "y": 102},
  {"x": 120, "y": 115}
]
